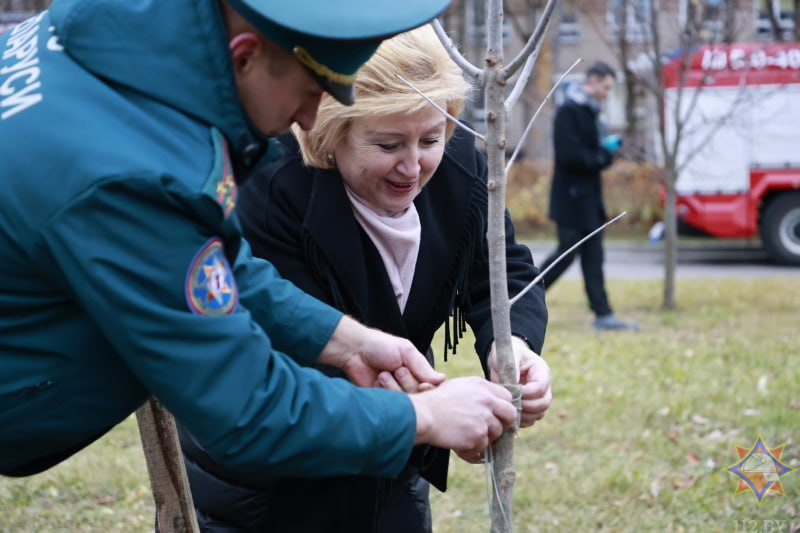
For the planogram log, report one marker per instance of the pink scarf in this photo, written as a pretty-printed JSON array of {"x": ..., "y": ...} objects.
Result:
[{"x": 397, "y": 240}]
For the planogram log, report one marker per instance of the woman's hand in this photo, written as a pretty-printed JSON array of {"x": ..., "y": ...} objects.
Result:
[{"x": 533, "y": 373}]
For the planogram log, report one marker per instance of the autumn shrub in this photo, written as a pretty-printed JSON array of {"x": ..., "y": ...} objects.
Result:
[{"x": 627, "y": 186}]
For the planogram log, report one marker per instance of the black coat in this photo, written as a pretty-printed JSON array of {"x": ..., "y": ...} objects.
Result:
[
  {"x": 576, "y": 195},
  {"x": 301, "y": 220}
]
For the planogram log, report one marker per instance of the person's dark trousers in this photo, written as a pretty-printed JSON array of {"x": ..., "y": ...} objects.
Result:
[{"x": 591, "y": 254}]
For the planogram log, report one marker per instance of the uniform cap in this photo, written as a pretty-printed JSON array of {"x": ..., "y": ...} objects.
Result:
[{"x": 334, "y": 38}]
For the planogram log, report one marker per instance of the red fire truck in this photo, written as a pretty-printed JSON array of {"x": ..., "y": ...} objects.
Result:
[{"x": 739, "y": 154}]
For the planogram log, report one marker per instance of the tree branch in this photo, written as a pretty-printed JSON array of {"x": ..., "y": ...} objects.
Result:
[
  {"x": 540, "y": 277},
  {"x": 536, "y": 114},
  {"x": 522, "y": 81},
  {"x": 717, "y": 123},
  {"x": 440, "y": 109},
  {"x": 536, "y": 36},
  {"x": 455, "y": 55}
]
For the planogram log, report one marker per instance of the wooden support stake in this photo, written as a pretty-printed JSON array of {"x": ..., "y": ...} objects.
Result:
[{"x": 162, "y": 452}]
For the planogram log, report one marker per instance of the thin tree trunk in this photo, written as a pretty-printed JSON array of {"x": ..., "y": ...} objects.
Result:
[
  {"x": 796, "y": 20},
  {"x": 777, "y": 30},
  {"x": 540, "y": 140},
  {"x": 730, "y": 7},
  {"x": 162, "y": 451},
  {"x": 669, "y": 152},
  {"x": 503, "y": 465},
  {"x": 494, "y": 78},
  {"x": 631, "y": 120},
  {"x": 670, "y": 236}
]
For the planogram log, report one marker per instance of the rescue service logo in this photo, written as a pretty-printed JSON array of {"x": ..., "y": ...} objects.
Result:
[
  {"x": 210, "y": 285},
  {"x": 226, "y": 193},
  {"x": 759, "y": 469}
]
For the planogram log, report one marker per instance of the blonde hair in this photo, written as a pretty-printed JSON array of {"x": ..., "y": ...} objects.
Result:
[{"x": 419, "y": 57}]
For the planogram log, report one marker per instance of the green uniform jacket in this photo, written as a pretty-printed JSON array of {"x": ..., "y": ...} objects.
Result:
[{"x": 123, "y": 272}]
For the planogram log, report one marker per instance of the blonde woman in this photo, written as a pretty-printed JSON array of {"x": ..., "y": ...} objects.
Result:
[{"x": 381, "y": 212}]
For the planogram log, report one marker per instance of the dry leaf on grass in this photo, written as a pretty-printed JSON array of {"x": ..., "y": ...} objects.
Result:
[
  {"x": 684, "y": 482},
  {"x": 105, "y": 499}
]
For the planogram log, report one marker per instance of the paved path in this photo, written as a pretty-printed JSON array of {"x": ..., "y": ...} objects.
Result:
[{"x": 715, "y": 259}]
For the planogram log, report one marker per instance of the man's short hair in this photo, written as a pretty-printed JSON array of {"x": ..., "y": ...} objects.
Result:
[{"x": 600, "y": 69}]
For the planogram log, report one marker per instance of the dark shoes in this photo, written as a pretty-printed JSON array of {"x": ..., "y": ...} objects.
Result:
[{"x": 612, "y": 323}]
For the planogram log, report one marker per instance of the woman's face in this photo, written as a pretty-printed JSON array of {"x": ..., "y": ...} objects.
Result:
[{"x": 387, "y": 160}]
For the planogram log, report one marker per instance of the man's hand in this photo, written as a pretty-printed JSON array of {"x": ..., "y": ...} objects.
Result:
[
  {"x": 464, "y": 414},
  {"x": 402, "y": 380},
  {"x": 533, "y": 373},
  {"x": 365, "y": 353}
]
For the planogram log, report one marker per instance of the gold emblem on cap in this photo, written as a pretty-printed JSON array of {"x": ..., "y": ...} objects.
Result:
[{"x": 319, "y": 69}]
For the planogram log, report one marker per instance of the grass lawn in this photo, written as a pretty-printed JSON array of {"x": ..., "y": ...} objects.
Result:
[{"x": 641, "y": 429}]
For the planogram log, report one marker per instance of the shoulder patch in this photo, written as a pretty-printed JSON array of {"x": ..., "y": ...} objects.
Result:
[
  {"x": 210, "y": 285},
  {"x": 221, "y": 184}
]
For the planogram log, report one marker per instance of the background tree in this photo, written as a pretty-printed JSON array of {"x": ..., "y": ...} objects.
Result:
[
  {"x": 796, "y": 5},
  {"x": 773, "y": 15},
  {"x": 632, "y": 149},
  {"x": 705, "y": 22}
]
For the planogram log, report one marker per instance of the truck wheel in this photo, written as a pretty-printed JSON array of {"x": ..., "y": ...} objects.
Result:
[{"x": 780, "y": 229}]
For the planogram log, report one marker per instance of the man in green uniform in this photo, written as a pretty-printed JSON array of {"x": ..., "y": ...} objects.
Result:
[{"x": 124, "y": 127}]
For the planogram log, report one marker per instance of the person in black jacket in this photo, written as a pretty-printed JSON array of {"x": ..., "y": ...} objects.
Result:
[
  {"x": 582, "y": 150},
  {"x": 380, "y": 210}
]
